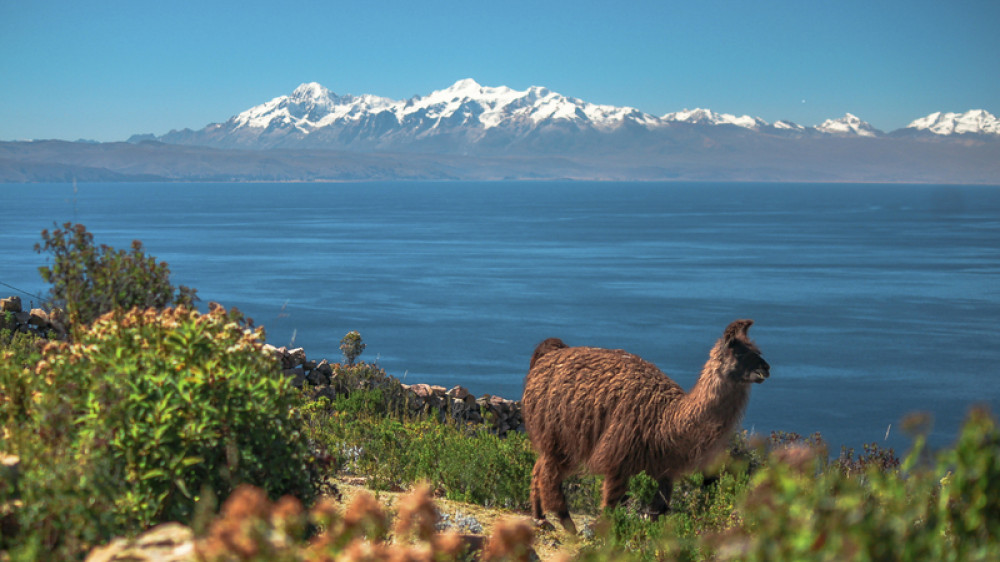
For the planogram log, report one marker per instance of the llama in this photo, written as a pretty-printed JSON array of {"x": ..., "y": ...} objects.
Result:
[{"x": 617, "y": 415}]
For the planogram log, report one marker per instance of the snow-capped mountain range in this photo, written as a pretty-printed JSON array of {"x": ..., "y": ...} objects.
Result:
[
  {"x": 311, "y": 107},
  {"x": 849, "y": 124},
  {"x": 976, "y": 121},
  {"x": 470, "y": 117}
]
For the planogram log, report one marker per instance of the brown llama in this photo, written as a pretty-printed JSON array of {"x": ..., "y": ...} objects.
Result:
[{"x": 618, "y": 415}]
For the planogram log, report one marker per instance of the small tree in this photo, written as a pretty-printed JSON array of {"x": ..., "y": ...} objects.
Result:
[
  {"x": 352, "y": 346},
  {"x": 89, "y": 281}
]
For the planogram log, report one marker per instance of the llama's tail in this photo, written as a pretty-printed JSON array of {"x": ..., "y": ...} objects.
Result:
[{"x": 546, "y": 346}]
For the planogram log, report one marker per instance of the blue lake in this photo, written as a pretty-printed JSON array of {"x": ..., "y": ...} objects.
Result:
[{"x": 870, "y": 301}]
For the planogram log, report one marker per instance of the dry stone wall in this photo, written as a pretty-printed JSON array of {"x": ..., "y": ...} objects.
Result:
[
  {"x": 36, "y": 320},
  {"x": 325, "y": 379}
]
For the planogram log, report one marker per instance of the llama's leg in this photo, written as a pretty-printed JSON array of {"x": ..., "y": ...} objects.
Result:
[
  {"x": 546, "y": 478},
  {"x": 613, "y": 492},
  {"x": 536, "y": 494},
  {"x": 661, "y": 502}
]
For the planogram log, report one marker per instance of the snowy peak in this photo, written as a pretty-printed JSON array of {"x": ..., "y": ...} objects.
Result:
[
  {"x": 975, "y": 121},
  {"x": 788, "y": 125},
  {"x": 311, "y": 91},
  {"x": 848, "y": 125},
  {"x": 466, "y": 103},
  {"x": 466, "y": 87},
  {"x": 308, "y": 107},
  {"x": 495, "y": 107},
  {"x": 468, "y": 115},
  {"x": 708, "y": 117}
]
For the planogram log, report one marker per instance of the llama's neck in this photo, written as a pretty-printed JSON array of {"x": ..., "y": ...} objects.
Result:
[{"x": 701, "y": 421}]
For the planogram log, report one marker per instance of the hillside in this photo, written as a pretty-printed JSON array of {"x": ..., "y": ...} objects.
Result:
[{"x": 687, "y": 155}]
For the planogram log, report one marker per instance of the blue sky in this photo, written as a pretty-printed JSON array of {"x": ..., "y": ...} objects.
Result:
[{"x": 105, "y": 70}]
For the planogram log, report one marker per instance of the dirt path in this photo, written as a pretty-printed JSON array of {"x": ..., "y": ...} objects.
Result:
[{"x": 476, "y": 519}]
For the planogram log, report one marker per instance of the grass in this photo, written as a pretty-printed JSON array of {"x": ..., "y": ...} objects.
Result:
[
  {"x": 781, "y": 497},
  {"x": 464, "y": 462},
  {"x": 777, "y": 498}
]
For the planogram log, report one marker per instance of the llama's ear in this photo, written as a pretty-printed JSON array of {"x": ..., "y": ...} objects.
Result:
[{"x": 737, "y": 330}]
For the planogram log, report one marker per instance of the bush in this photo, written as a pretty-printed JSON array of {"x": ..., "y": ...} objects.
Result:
[
  {"x": 146, "y": 410},
  {"x": 88, "y": 281},
  {"x": 466, "y": 463},
  {"x": 253, "y": 529},
  {"x": 24, "y": 346},
  {"x": 802, "y": 507},
  {"x": 352, "y": 347}
]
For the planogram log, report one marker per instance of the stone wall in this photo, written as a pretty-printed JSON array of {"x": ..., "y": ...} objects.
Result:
[
  {"x": 322, "y": 378},
  {"x": 37, "y": 321}
]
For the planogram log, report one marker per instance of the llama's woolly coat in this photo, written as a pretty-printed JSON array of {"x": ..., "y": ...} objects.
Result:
[
  {"x": 617, "y": 414},
  {"x": 605, "y": 408}
]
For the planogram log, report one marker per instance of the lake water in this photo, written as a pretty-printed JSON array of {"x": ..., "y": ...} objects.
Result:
[{"x": 870, "y": 301}]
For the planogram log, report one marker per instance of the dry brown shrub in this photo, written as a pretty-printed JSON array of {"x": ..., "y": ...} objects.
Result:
[
  {"x": 511, "y": 540},
  {"x": 249, "y": 527},
  {"x": 416, "y": 514}
]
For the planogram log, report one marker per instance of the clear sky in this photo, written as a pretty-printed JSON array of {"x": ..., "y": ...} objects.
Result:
[{"x": 105, "y": 70}]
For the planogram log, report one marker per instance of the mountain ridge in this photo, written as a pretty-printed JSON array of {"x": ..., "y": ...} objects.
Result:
[
  {"x": 471, "y": 132},
  {"x": 466, "y": 114}
]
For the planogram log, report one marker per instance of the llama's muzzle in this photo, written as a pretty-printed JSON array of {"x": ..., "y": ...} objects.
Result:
[{"x": 759, "y": 375}]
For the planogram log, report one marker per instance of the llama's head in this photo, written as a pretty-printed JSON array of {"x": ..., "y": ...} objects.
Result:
[{"x": 740, "y": 357}]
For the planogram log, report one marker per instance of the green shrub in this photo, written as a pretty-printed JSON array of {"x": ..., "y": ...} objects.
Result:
[
  {"x": 800, "y": 506},
  {"x": 129, "y": 424},
  {"x": 23, "y": 346},
  {"x": 466, "y": 463},
  {"x": 88, "y": 281},
  {"x": 352, "y": 347}
]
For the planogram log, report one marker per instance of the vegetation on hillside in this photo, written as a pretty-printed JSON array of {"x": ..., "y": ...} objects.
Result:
[
  {"x": 89, "y": 280},
  {"x": 157, "y": 412}
]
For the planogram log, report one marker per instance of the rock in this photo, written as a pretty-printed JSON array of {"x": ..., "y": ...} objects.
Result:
[
  {"x": 38, "y": 317},
  {"x": 169, "y": 542},
  {"x": 271, "y": 350},
  {"x": 458, "y": 409},
  {"x": 57, "y": 320},
  {"x": 317, "y": 378},
  {"x": 459, "y": 392},
  {"x": 421, "y": 390},
  {"x": 328, "y": 392},
  {"x": 325, "y": 368},
  {"x": 415, "y": 402},
  {"x": 297, "y": 356},
  {"x": 286, "y": 359},
  {"x": 10, "y": 304},
  {"x": 298, "y": 376},
  {"x": 460, "y": 522}
]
